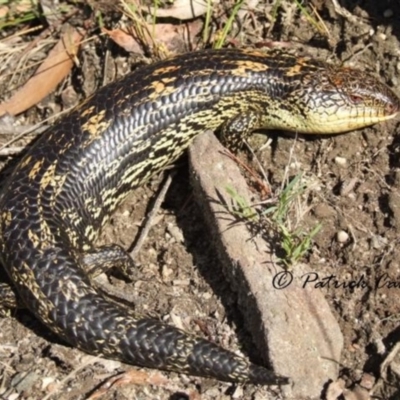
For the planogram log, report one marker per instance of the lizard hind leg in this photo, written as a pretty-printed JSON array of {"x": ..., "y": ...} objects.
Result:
[{"x": 101, "y": 259}]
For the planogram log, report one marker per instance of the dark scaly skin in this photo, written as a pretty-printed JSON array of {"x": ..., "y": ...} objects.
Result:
[{"x": 71, "y": 180}]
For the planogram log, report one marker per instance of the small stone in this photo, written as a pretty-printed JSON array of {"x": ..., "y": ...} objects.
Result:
[
  {"x": 335, "y": 389},
  {"x": 378, "y": 241},
  {"x": 348, "y": 187},
  {"x": 176, "y": 320},
  {"x": 351, "y": 196},
  {"x": 341, "y": 161},
  {"x": 323, "y": 211},
  {"x": 47, "y": 380},
  {"x": 24, "y": 381},
  {"x": 238, "y": 393},
  {"x": 342, "y": 237},
  {"x": 380, "y": 346},
  {"x": 388, "y": 13},
  {"x": 166, "y": 272},
  {"x": 52, "y": 387},
  {"x": 175, "y": 232},
  {"x": 295, "y": 165},
  {"x": 367, "y": 381},
  {"x": 358, "y": 393}
]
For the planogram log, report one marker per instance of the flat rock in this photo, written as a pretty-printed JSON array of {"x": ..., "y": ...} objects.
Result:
[{"x": 291, "y": 325}]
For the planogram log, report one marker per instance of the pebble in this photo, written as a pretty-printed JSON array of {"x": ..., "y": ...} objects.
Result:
[
  {"x": 238, "y": 393},
  {"x": 46, "y": 381},
  {"x": 348, "y": 187},
  {"x": 368, "y": 381},
  {"x": 335, "y": 389},
  {"x": 166, "y": 272},
  {"x": 352, "y": 196},
  {"x": 295, "y": 165},
  {"x": 176, "y": 320},
  {"x": 342, "y": 237},
  {"x": 357, "y": 393},
  {"x": 380, "y": 346},
  {"x": 378, "y": 241},
  {"x": 24, "y": 381},
  {"x": 341, "y": 161},
  {"x": 175, "y": 232}
]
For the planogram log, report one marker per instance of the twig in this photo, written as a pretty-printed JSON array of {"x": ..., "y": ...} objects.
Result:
[
  {"x": 151, "y": 215},
  {"x": 10, "y": 151}
]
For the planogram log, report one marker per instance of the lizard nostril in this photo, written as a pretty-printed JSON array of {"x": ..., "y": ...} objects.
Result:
[{"x": 392, "y": 108}]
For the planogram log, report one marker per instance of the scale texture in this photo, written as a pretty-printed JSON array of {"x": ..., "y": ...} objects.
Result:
[{"x": 71, "y": 180}]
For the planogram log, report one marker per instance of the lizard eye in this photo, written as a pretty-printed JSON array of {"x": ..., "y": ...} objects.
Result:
[{"x": 356, "y": 99}]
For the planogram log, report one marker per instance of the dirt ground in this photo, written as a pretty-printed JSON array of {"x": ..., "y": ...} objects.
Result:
[{"x": 355, "y": 190}]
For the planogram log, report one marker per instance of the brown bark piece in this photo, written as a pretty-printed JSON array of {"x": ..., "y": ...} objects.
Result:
[{"x": 294, "y": 326}]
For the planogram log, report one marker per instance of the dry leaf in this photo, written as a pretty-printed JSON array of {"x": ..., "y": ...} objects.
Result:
[
  {"x": 174, "y": 37},
  {"x": 123, "y": 39},
  {"x": 131, "y": 377},
  {"x": 51, "y": 72},
  {"x": 182, "y": 9}
]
